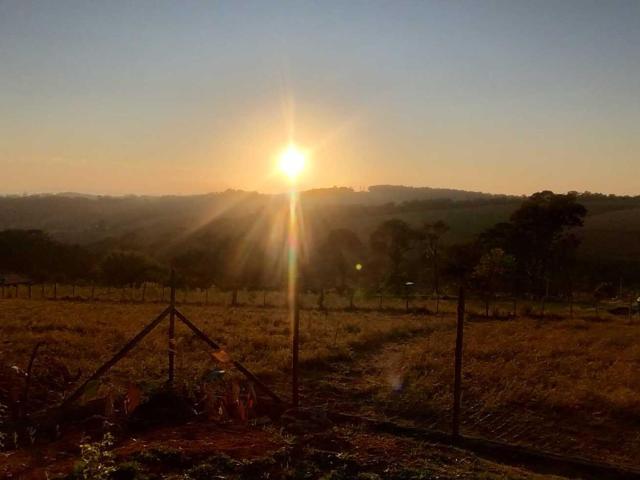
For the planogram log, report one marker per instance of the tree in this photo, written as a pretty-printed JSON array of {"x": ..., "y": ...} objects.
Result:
[
  {"x": 541, "y": 226},
  {"x": 537, "y": 232},
  {"x": 391, "y": 242},
  {"x": 492, "y": 269},
  {"x": 564, "y": 261},
  {"x": 460, "y": 261},
  {"x": 120, "y": 269},
  {"x": 339, "y": 254},
  {"x": 196, "y": 268},
  {"x": 431, "y": 235}
]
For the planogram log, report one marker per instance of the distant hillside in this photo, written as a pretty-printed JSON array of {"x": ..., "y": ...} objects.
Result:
[
  {"x": 611, "y": 233},
  {"x": 86, "y": 218},
  {"x": 382, "y": 194}
]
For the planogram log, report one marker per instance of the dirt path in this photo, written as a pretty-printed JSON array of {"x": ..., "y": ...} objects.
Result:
[{"x": 351, "y": 386}]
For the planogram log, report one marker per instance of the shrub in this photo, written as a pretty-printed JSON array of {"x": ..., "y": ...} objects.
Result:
[{"x": 96, "y": 460}]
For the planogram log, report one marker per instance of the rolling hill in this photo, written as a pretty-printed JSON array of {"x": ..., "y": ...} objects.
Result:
[{"x": 611, "y": 233}]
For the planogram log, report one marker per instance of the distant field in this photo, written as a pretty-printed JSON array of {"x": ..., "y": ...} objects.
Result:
[{"x": 569, "y": 386}]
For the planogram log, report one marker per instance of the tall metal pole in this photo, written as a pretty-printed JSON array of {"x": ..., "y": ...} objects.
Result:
[
  {"x": 294, "y": 307},
  {"x": 172, "y": 329},
  {"x": 457, "y": 387}
]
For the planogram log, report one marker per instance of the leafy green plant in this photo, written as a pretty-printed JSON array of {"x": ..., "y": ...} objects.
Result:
[{"x": 96, "y": 460}]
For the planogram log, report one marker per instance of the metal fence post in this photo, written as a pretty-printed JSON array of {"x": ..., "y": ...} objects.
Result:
[
  {"x": 295, "y": 344},
  {"x": 457, "y": 387},
  {"x": 172, "y": 329}
]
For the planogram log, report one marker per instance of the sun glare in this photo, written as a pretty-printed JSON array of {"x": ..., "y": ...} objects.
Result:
[{"x": 291, "y": 161}]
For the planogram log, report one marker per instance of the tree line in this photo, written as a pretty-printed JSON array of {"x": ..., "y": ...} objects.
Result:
[{"x": 532, "y": 254}]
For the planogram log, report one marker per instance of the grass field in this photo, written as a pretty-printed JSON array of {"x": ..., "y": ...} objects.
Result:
[{"x": 570, "y": 386}]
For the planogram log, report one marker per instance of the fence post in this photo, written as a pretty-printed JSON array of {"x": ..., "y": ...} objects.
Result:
[
  {"x": 172, "y": 329},
  {"x": 295, "y": 343},
  {"x": 457, "y": 386}
]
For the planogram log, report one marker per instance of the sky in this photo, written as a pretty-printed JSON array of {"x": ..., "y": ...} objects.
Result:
[{"x": 182, "y": 97}]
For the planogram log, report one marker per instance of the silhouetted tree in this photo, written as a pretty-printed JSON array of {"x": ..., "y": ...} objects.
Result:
[
  {"x": 536, "y": 232},
  {"x": 391, "y": 242},
  {"x": 120, "y": 269},
  {"x": 460, "y": 261},
  {"x": 542, "y": 224},
  {"x": 490, "y": 273},
  {"x": 197, "y": 268},
  {"x": 338, "y": 256},
  {"x": 431, "y": 235}
]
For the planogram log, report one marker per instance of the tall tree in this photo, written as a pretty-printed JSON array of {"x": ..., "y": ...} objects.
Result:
[
  {"x": 432, "y": 234},
  {"x": 542, "y": 226},
  {"x": 491, "y": 271},
  {"x": 339, "y": 254},
  {"x": 391, "y": 242}
]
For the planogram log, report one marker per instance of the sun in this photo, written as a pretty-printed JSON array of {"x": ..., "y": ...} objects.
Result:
[{"x": 291, "y": 161}]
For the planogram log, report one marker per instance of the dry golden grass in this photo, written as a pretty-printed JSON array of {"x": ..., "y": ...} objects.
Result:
[
  {"x": 84, "y": 334},
  {"x": 568, "y": 385}
]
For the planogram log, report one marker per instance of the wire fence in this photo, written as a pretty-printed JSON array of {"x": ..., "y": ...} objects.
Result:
[
  {"x": 500, "y": 307},
  {"x": 569, "y": 386}
]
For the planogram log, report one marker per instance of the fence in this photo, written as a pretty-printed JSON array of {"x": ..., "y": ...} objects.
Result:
[
  {"x": 563, "y": 386},
  {"x": 500, "y": 307}
]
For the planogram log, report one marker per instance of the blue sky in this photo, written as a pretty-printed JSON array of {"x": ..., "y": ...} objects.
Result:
[{"x": 187, "y": 97}]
